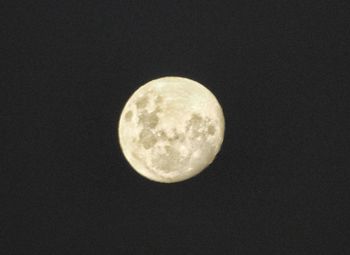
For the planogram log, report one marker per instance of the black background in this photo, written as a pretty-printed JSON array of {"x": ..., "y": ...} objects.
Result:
[{"x": 279, "y": 184}]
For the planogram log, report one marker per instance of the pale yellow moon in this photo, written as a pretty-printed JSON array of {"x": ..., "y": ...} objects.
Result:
[{"x": 171, "y": 129}]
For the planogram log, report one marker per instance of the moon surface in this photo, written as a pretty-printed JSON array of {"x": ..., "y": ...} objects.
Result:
[{"x": 171, "y": 129}]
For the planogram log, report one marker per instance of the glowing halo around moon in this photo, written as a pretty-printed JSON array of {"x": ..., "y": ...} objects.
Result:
[{"x": 171, "y": 129}]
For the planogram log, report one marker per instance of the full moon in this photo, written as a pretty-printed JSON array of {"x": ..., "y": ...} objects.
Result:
[{"x": 171, "y": 129}]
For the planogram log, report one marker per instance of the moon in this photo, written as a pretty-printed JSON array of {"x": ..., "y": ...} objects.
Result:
[{"x": 171, "y": 129}]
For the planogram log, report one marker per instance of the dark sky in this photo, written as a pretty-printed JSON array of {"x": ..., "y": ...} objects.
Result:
[{"x": 278, "y": 186}]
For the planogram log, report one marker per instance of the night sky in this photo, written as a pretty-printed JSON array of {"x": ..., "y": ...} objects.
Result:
[{"x": 280, "y": 183}]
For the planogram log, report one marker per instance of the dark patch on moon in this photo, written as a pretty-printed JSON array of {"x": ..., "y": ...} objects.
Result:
[
  {"x": 128, "y": 115},
  {"x": 211, "y": 130},
  {"x": 142, "y": 102},
  {"x": 147, "y": 138}
]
